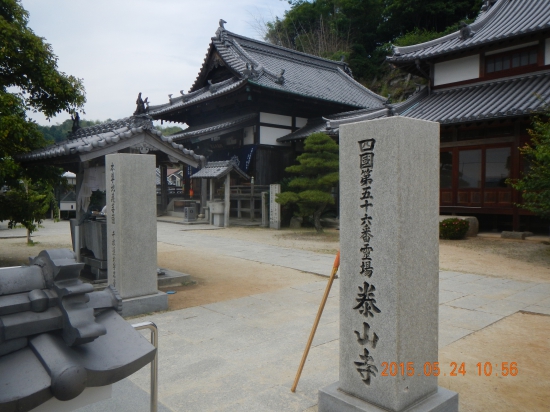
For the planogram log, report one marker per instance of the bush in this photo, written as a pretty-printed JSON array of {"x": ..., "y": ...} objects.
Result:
[{"x": 453, "y": 228}]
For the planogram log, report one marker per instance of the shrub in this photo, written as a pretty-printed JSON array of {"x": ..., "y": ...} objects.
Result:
[{"x": 453, "y": 228}]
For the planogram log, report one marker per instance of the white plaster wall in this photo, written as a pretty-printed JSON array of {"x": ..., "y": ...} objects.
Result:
[
  {"x": 269, "y": 135},
  {"x": 249, "y": 135},
  {"x": 301, "y": 121},
  {"x": 456, "y": 70},
  {"x": 547, "y": 52},
  {"x": 275, "y": 119}
]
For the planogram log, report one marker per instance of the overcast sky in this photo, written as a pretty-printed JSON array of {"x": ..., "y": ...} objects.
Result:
[{"x": 123, "y": 47}]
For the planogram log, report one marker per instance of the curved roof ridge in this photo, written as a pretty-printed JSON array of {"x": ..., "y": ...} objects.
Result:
[
  {"x": 206, "y": 58},
  {"x": 482, "y": 19},
  {"x": 356, "y": 83},
  {"x": 286, "y": 49}
]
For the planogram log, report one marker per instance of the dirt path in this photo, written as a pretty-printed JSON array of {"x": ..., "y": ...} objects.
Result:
[
  {"x": 220, "y": 278},
  {"x": 521, "y": 338}
]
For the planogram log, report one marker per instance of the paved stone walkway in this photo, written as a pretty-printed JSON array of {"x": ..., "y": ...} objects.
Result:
[
  {"x": 242, "y": 354},
  {"x": 305, "y": 261}
]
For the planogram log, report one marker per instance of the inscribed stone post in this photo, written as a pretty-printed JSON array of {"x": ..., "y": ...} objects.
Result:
[
  {"x": 265, "y": 210},
  {"x": 389, "y": 185},
  {"x": 131, "y": 224},
  {"x": 274, "y": 207}
]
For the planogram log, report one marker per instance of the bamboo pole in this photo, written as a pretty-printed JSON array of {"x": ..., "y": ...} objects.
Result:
[{"x": 317, "y": 319}]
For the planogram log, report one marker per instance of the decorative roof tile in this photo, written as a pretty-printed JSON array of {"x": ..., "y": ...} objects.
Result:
[{"x": 506, "y": 19}]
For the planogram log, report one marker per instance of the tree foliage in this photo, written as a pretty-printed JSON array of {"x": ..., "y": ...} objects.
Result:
[
  {"x": 534, "y": 185},
  {"x": 361, "y": 30},
  {"x": 59, "y": 132},
  {"x": 29, "y": 80},
  {"x": 316, "y": 175}
]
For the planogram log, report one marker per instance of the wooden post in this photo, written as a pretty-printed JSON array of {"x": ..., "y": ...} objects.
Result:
[{"x": 227, "y": 200}]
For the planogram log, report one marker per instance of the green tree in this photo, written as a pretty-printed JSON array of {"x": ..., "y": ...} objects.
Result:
[
  {"x": 362, "y": 29},
  {"x": 59, "y": 132},
  {"x": 534, "y": 185},
  {"x": 29, "y": 80},
  {"x": 317, "y": 174}
]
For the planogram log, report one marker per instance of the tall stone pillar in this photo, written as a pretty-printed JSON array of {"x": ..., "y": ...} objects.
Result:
[
  {"x": 132, "y": 232},
  {"x": 389, "y": 283},
  {"x": 274, "y": 207}
]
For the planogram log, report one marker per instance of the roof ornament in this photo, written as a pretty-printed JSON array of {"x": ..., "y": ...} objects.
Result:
[
  {"x": 280, "y": 77},
  {"x": 76, "y": 122},
  {"x": 170, "y": 98},
  {"x": 466, "y": 31},
  {"x": 140, "y": 106},
  {"x": 487, "y": 4},
  {"x": 212, "y": 88},
  {"x": 220, "y": 33},
  {"x": 249, "y": 72}
]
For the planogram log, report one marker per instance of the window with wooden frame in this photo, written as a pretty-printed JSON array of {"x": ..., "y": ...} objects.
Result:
[{"x": 511, "y": 61}]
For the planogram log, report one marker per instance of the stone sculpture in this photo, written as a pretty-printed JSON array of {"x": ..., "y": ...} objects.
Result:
[{"x": 58, "y": 336}]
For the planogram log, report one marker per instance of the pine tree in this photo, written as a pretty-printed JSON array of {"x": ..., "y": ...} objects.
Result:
[{"x": 317, "y": 174}]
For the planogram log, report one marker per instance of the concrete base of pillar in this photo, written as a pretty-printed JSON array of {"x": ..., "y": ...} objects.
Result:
[
  {"x": 144, "y": 304},
  {"x": 331, "y": 399}
]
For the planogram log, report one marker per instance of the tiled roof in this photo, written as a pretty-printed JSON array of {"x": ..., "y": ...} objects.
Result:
[
  {"x": 330, "y": 125},
  {"x": 506, "y": 19},
  {"x": 509, "y": 97},
  {"x": 215, "y": 170},
  {"x": 224, "y": 125},
  {"x": 189, "y": 99},
  {"x": 274, "y": 67},
  {"x": 95, "y": 138}
]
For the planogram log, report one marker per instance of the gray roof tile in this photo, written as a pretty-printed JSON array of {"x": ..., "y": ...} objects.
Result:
[
  {"x": 214, "y": 127},
  {"x": 89, "y": 139},
  {"x": 215, "y": 170},
  {"x": 506, "y": 19},
  {"x": 304, "y": 74},
  {"x": 508, "y": 97}
]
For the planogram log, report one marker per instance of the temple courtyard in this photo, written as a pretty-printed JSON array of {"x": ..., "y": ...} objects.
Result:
[{"x": 235, "y": 333}]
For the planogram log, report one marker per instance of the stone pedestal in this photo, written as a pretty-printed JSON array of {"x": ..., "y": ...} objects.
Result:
[
  {"x": 274, "y": 207},
  {"x": 132, "y": 229},
  {"x": 389, "y": 287}
]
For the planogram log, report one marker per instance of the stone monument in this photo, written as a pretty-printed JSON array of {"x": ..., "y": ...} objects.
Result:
[
  {"x": 389, "y": 185},
  {"x": 274, "y": 207},
  {"x": 132, "y": 232}
]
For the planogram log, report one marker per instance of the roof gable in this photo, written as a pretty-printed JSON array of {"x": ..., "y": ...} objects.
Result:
[
  {"x": 274, "y": 67},
  {"x": 99, "y": 140}
]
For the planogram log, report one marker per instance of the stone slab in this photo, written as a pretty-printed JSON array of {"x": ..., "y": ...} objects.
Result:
[
  {"x": 144, "y": 304},
  {"x": 389, "y": 208},
  {"x": 170, "y": 277},
  {"x": 513, "y": 235},
  {"x": 333, "y": 400},
  {"x": 131, "y": 224}
]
